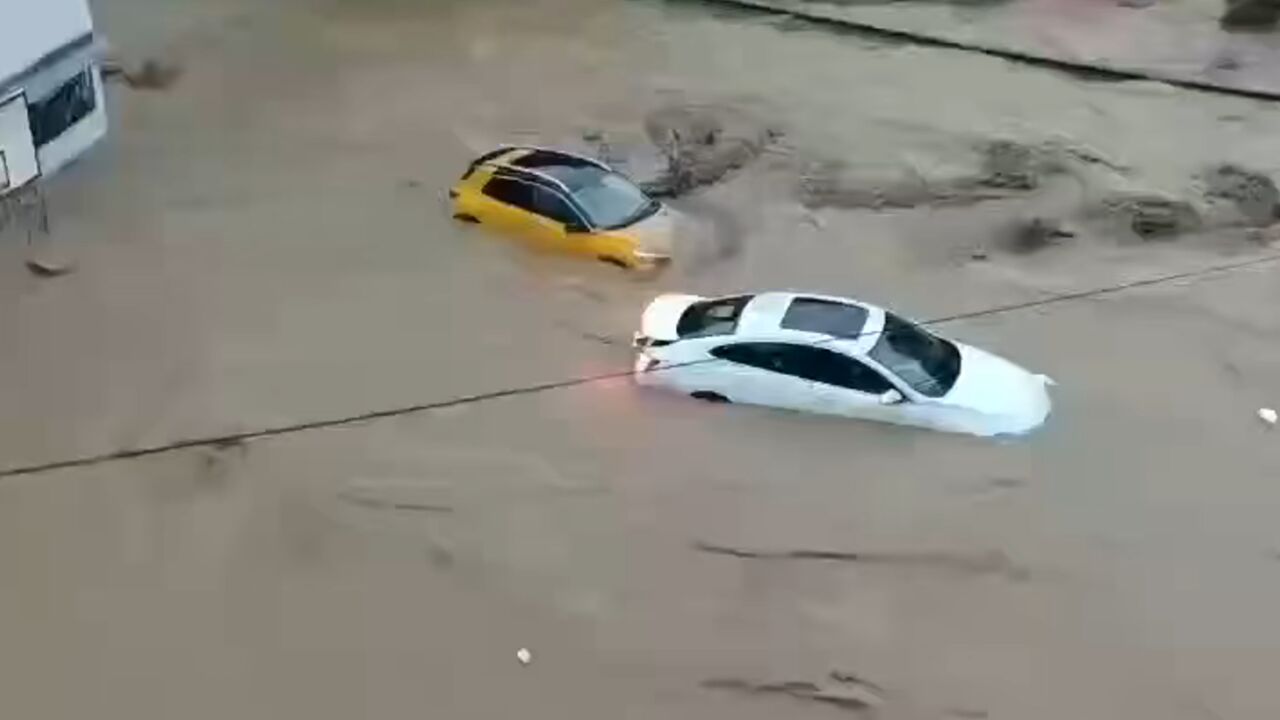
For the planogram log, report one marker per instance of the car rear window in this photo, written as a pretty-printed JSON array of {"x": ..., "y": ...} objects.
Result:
[
  {"x": 549, "y": 158},
  {"x": 825, "y": 316},
  {"x": 712, "y": 317}
]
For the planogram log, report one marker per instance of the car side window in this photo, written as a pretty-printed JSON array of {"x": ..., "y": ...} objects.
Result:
[
  {"x": 765, "y": 356},
  {"x": 548, "y": 203},
  {"x": 808, "y": 363},
  {"x": 510, "y": 191},
  {"x": 832, "y": 368}
]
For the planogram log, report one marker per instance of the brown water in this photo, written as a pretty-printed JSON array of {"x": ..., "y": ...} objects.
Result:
[
  {"x": 1169, "y": 38},
  {"x": 264, "y": 243}
]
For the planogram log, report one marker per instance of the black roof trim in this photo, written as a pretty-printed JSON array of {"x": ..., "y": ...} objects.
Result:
[{"x": 554, "y": 151}]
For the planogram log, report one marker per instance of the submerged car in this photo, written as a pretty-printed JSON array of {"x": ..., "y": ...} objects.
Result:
[
  {"x": 836, "y": 356},
  {"x": 564, "y": 202}
]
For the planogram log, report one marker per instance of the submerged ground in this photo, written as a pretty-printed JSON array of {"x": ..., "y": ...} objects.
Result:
[{"x": 262, "y": 243}]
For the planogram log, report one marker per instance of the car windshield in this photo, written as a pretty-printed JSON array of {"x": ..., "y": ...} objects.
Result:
[
  {"x": 927, "y": 363},
  {"x": 609, "y": 200}
]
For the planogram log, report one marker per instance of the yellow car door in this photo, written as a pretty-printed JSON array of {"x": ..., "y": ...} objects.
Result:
[
  {"x": 568, "y": 231},
  {"x": 562, "y": 227},
  {"x": 507, "y": 205}
]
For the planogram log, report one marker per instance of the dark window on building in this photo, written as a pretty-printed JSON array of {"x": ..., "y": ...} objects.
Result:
[
  {"x": 712, "y": 317},
  {"x": 808, "y": 363},
  {"x": 68, "y": 105},
  {"x": 510, "y": 191},
  {"x": 548, "y": 203},
  {"x": 824, "y": 316}
]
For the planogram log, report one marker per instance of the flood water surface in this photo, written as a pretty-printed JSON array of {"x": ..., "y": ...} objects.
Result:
[{"x": 265, "y": 243}]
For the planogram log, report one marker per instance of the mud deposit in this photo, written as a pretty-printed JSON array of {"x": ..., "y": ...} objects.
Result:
[
  {"x": 265, "y": 244},
  {"x": 702, "y": 144}
]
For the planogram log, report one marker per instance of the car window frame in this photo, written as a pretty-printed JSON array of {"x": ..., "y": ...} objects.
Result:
[
  {"x": 852, "y": 362},
  {"x": 808, "y": 377},
  {"x": 909, "y": 393},
  {"x": 583, "y": 226},
  {"x": 744, "y": 345},
  {"x": 553, "y": 157},
  {"x": 904, "y": 386},
  {"x": 649, "y": 209},
  {"x": 546, "y": 172},
  {"x": 506, "y": 178}
]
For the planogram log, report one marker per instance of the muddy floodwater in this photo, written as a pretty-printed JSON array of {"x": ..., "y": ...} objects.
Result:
[
  {"x": 1182, "y": 39},
  {"x": 263, "y": 243}
]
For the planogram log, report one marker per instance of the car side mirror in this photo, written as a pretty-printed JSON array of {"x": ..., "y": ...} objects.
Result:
[{"x": 892, "y": 397}]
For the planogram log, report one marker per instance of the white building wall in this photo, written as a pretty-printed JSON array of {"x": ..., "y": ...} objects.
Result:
[
  {"x": 18, "y": 164},
  {"x": 30, "y": 29},
  {"x": 43, "y": 45}
]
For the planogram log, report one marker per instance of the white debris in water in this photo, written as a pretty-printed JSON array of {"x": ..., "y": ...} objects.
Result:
[
  {"x": 524, "y": 656},
  {"x": 1268, "y": 415}
]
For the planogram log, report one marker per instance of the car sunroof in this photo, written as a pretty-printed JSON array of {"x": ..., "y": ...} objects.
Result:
[{"x": 825, "y": 316}]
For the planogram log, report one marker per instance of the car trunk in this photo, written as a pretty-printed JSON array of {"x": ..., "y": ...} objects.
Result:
[{"x": 659, "y": 324}]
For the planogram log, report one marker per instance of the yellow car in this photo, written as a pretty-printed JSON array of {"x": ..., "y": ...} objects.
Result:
[{"x": 567, "y": 203}]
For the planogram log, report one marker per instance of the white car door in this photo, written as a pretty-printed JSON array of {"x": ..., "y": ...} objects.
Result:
[
  {"x": 759, "y": 373},
  {"x": 934, "y": 415}
]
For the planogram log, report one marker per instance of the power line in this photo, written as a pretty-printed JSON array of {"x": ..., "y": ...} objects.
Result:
[
  {"x": 231, "y": 439},
  {"x": 1078, "y": 68}
]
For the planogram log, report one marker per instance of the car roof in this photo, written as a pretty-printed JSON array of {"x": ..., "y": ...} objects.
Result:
[
  {"x": 542, "y": 166},
  {"x": 532, "y": 158},
  {"x": 762, "y": 317}
]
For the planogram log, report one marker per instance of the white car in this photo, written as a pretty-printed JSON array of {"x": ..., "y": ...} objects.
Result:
[{"x": 836, "y": 356}]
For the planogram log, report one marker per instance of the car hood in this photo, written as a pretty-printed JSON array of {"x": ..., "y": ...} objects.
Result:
[
  {"x": 663, "y": 315},
  {"x": 654, "y": 234},
  {"x": 1008, "y": 399}
]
